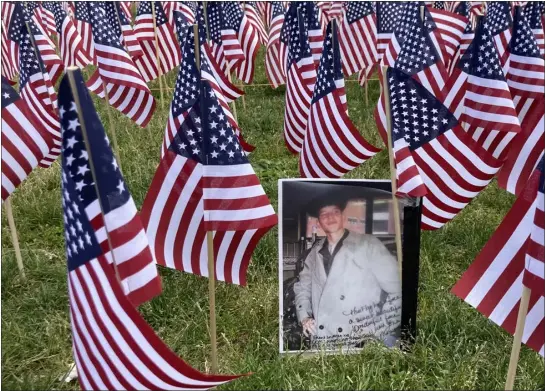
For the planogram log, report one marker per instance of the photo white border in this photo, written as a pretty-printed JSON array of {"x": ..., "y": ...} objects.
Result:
[{"x": 311, "y": 352}]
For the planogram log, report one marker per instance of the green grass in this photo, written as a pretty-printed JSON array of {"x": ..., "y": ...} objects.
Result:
[{"x": 456, "y": 346}]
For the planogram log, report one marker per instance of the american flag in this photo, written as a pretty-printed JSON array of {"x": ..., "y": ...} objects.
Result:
[
  {"x": 275, "y": 57},
  {"x": 224, "y": 89},
  {"x": 122, "y": 26},
  {"x": 225, "y": 48},
  {"x": 358, "y": 38},
  {"x": 125, "y": 7},
  {"x": 113, "y": 346},
  {"x": 82, "y": 20},
  {"x": 434, "y": 156},
  {"x": 10, "y": 56},
  {"x": 332, "y": 144},
  {"x": 46, "y": 47},
  {"x": 228, "y": 90},
  {"x": 236, "y": 25},
  {"x": 204, "y": 183},
  {"x": 24, "y": 141},
  {"x": 255, "y": 18},
  {"x": 478, "y": 94},
  {"x": 300, "y": 76},
  {"x": 265, "y": 10},
  {"x": 428, "y": 138},
  {"x": 432, "y": 77},
  {"x": 43, "y": 17},
  {"x": 35, "y": 88},
  {"x": 329, "y": 10},
  {"x": 69, "y": 40},
  {"x": 127, "y": 91},
  {"x": 451, "y": 27},
  {"x": 110, "y": 210},
  {"x": 463, "y": 9},
  {"x": 535, "y": 11},
  {"x": 499, "y": 21},
  {"x": 440, "y": 5},
  {"x": 493, "y": 283},
  {"x": 169, "y": 49},
  {"x": 315, "y": 31},
  {"x": 526, "y": 82},
  {"x": 388, "y": 14}
]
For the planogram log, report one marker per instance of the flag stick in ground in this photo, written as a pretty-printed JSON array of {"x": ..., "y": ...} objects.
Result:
[
  {"x": 112, "y": 125},
  {"x": 209, "y": 243},
  {"x": 14, "y": 237},
  {"x": 366, "y": 87},
  {"x": 395, "y": 203},
  {"x": 517, "y": 341},
  {"x": 158, "y": 59},
  {"x": 70, "y": 73},
  {"x": 242, "y": 85}
]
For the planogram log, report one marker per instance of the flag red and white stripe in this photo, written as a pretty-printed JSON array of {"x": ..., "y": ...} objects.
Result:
[
  {"x": 254, "y": 17},
  {"x": 451, "y": 28},
  {"x": 24, "y": 142},
  {"x": 493, "y": 283},
  {"x": 169, "y": 50},
  {"x": 275, "y": 57}
]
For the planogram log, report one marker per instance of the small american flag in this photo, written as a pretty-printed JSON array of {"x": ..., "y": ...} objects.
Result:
[
  {"x": 169, "y": 49},
  {"x": 499, "y": 22},
  {"x": 24, "y": 142},
  {"x": 43, "y": 17},
  {"x": 315, "y": 30},
  {"x": 224, "y": 47},
  {"x": 388, "y": 15},
  {"x": 535, "y": 11},
  {"x": 251, "y": 11},
  {"x": 82, "y": 20},
  {"x": 526, "y": 82},
  {"x": 434, "y": 76},
  {"x": 432, "y": 150},
  {"x": 113, "y": 346},
  {"x": 358, "y": 38},
  {"x": 125, "y": 7},
  {"x": 478, "y": 94},
  {"x": 69, "y": 40},
  {"x": 440, "y": 5},
  {"x": 127, "y": 91},
  {"x": 10, "y": 56},
  {"x": 45, "y": 46},
  {"x": 122, "y": 26},
  {"x": 332, "y": 145},
  {"x": 513, "y": 256},
  {"x": 463, "y": 9},
  {"x": 275, "y": 58},
  {"x": 204, "y": 183},
  {"x": 301, "y": 77},
  {"x": 451, "y": 27},
  {"x": 110, "y": 210},
  {"x": 236, "y": 25},
  {"x": 36, "y": 89}
]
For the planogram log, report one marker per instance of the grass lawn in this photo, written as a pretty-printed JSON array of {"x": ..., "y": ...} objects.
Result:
[{"x": 456, "y": 346}]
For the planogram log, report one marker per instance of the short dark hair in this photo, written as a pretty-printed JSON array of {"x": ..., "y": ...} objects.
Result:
[{"x": 321, "y": 202}]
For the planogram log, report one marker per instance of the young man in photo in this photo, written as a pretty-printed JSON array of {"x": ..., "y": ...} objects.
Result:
[{"x": 349, "y": 290}]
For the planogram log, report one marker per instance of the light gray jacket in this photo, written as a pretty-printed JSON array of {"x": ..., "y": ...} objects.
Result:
[{"x": 346, "y": 304}]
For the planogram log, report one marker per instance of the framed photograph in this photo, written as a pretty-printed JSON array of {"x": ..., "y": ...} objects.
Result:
[{"x": 341, "y": 284}]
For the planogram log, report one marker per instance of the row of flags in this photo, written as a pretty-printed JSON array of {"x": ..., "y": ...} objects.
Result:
[{"x": 464, "y": 86}]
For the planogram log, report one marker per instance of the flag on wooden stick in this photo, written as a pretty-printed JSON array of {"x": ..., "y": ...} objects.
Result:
[
  {"x": 275, "y": 57},
  {"x": 103, "y": 197},
  {"x": 113, "y": 346},
  {"x": 332, "y": 145},
  {"x": 204, "y": 182},
  {"x": 513, "y": 256}
]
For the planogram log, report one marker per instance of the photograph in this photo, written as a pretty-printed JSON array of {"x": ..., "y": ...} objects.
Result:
[{"x": 340, "y": 278}]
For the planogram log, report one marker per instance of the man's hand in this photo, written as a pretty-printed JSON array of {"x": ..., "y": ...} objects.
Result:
[{"x": 309, "y": 326}]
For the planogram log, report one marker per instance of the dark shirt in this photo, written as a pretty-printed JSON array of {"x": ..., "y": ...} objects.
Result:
[{"x": 328, "y": 258}]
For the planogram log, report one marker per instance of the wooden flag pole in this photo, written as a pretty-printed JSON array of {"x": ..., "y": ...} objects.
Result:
[
  {"x": 366, "y": 87},
  {"x": 70, "y": 73},
  {"x": 209, "y": 243},
  {"x": 14, "y": 238},
  {"x": 393, "y": 176},
  {"x": 241, "y": 85},
  {"x": 157, "y": 56},
  {"x": 517, "y": 340},
  {"x": 112, "y": 125}
]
